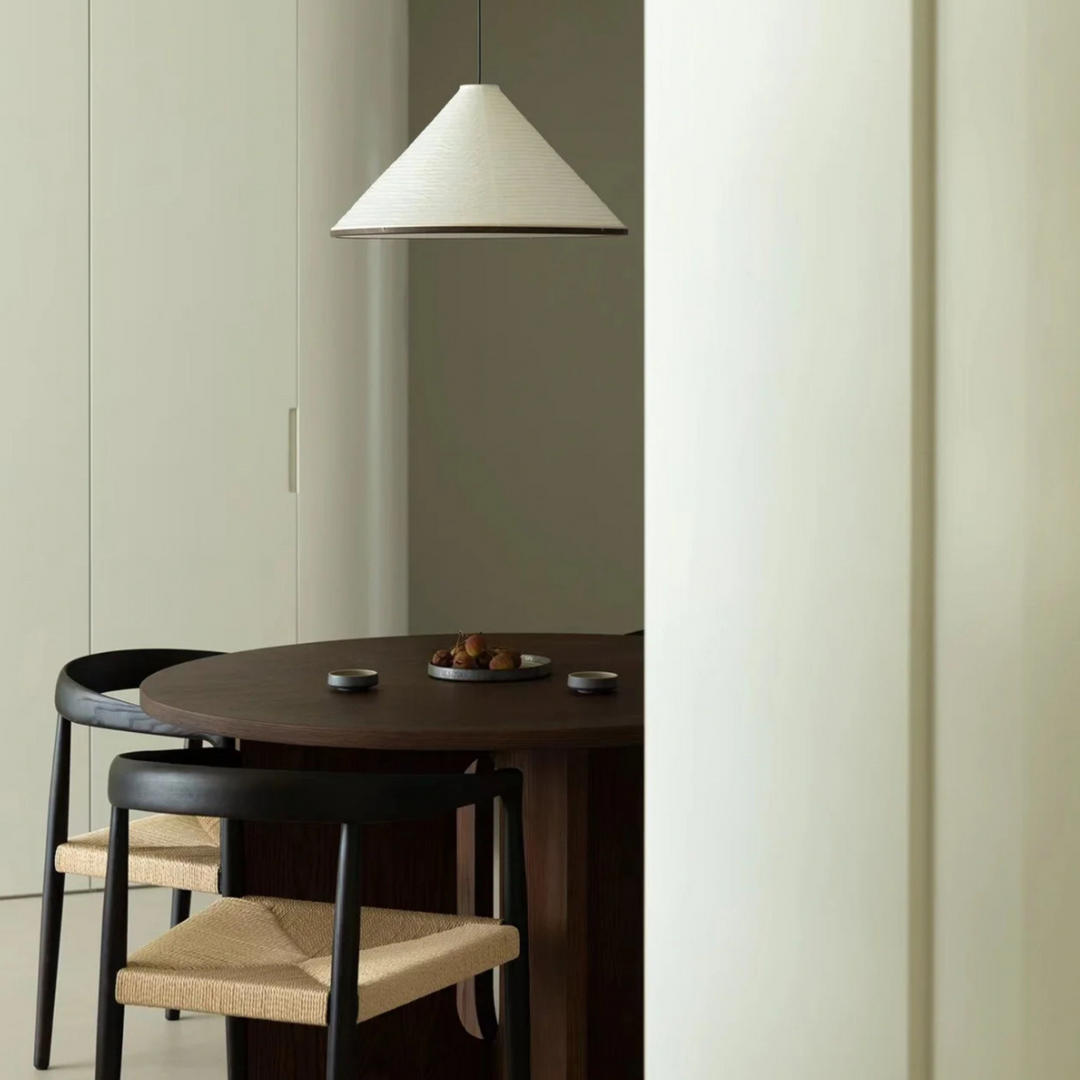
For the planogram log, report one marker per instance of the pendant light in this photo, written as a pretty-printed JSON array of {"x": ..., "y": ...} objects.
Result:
[{"x": 479, "y": 169}]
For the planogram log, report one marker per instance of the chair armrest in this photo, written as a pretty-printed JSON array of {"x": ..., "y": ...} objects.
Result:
[{"x": 82, "y": 706}]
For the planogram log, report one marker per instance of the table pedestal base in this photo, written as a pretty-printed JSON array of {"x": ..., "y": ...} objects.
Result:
[{"x": 583, "y": 835}]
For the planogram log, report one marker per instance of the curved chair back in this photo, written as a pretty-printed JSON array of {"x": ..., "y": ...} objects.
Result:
[
  {"x": 84, "y": 686},
  {"x": 208, "y": 783},
  {"x": 82, "y": 697}
]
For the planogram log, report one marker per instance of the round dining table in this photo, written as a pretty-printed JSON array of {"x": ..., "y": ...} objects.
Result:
[{"x": 582, "y": 760}]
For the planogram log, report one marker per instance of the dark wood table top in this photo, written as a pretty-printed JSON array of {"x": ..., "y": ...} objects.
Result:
[{"x": 280, "y": 695}]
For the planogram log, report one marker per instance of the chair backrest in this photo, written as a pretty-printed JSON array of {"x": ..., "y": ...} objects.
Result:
[
  {"x": 83, "y": 687},
  {"x": 209, "y": 783}
]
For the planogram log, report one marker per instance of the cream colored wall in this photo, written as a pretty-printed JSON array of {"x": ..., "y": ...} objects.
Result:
[
  {"x": 170, "y": 291},
  {"x": 526, "y": 355},
  {"x": 205, "y": 333},
  {"x": 1008, "y": 583},
  {"x": 193, "y": 323},
  {"x": 787, "y": 410},
  {"x": 193, "y": 329},
  {"x": 784, "y": 411},
  {"x": 44, "y": 485}
]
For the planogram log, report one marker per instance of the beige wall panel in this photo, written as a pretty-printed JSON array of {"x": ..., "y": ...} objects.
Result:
[
  {"x": 979, "y": 709},
  {"x": 1008, "y": 663},
  {"x": 43, "y": 386},
  {"x": 193, "y": 326},
  {"x": 1051, "y": 808}
]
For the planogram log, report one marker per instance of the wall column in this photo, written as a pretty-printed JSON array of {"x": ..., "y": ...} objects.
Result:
[{"x": 788, "y": 348}]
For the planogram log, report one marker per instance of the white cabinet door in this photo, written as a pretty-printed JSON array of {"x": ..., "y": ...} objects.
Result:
[
  {"x": 193, "y": 328},
  {"x": 44, "y": 397}
]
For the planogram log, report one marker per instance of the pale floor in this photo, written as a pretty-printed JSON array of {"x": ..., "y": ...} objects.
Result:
[{"x": 154, "y": 1049}]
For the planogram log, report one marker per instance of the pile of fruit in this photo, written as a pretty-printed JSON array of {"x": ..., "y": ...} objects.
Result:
[{"x": 472, "y": 652}]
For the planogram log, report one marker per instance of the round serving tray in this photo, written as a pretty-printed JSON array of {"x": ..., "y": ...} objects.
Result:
[{"x": 532, "y": 667}]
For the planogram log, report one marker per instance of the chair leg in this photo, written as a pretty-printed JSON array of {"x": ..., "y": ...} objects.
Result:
[
  {"x": 343, "y": 1008},
  {"x": 516, "y": 1021},
  {"x": 516, "y": 913},
  {"x": 110, "y": 1023},
  {"x": 110, "y": 1044},
  {"x": 181, "y": 909},
  {"x": 236, "y": 1047},
  {"x": 52, "y": 899},
  {"x": 52, "y": 915}
]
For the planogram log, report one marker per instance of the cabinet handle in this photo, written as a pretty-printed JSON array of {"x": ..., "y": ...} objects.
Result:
[{"x": 294, "y": 451}]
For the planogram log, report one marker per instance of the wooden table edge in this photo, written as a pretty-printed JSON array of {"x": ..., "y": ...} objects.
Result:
[{"x": 480, "y": 741}]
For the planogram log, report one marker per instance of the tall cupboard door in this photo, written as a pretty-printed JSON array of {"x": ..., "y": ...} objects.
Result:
[
  {"x": 44, "y": 566},
  {"x": 192, "y": 328}
]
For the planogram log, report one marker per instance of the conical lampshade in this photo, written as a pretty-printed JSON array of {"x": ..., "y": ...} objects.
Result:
[{"x": 479, "y": 169}]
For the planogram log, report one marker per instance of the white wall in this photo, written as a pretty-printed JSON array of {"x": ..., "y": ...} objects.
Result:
[
  {"x": 1008, "y": 573},
  {"x": 786, "y": 539}
]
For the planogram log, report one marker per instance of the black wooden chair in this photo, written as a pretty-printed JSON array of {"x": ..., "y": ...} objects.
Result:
[
  {"x": 250, "y": 957},
  {"x": 176, "y": 852}
]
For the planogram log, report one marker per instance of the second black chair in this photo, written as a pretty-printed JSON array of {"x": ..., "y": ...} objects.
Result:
[
  {"x": 250, "y": 957},
  {"x": 180, "y": 853}
]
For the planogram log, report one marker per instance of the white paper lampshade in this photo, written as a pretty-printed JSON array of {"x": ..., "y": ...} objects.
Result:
[{"x": 479, "y": 169}]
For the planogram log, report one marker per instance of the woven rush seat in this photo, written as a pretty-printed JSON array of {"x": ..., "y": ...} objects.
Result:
[
  {"x": 270, "y": 959},
  {"x": 169, "y": 850}
]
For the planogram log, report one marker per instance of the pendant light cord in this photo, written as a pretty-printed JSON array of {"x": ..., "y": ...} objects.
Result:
[{"x": 479, "y": 41}]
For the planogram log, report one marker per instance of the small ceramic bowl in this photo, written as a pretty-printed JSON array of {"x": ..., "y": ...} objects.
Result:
[
  {"x": 593, "y": 682},
  {"x": 352, "y": 679}
]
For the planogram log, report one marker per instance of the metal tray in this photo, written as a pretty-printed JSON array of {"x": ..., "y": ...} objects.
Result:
[{"x": 532, "y": 667}]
